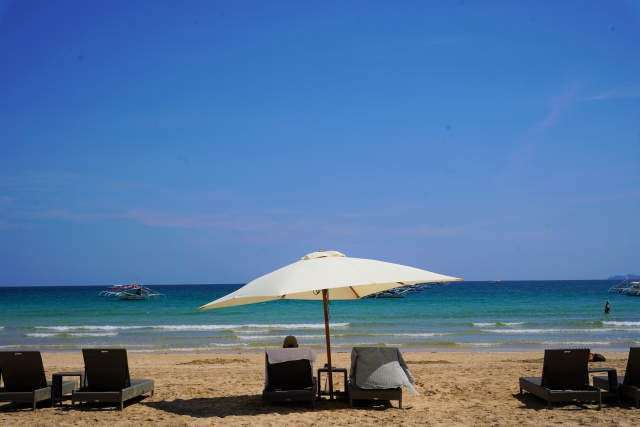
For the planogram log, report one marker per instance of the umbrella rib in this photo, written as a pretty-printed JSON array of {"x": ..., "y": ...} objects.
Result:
[{"x": 354, "y": 291}]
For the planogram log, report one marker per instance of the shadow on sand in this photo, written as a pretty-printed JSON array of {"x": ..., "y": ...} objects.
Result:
[
  {"x": 529, "y": 401},
  {"x": 243, "y": 405}
]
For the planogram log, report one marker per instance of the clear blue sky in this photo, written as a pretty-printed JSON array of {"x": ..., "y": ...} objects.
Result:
[{"x": 213, "y": 142}]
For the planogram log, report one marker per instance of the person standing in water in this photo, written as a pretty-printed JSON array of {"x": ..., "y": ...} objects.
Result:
[{"x": 607, "y": 308}]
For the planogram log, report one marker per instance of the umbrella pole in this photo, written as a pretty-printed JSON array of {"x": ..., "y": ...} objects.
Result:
[{"x": 325, "y": 301}]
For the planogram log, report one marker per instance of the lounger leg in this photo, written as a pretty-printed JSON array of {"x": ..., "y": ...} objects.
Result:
[
  {"x": 521, "y": 392},
  {"x": 121, "y": 405},
  {"x": 400, "y": 403},
  {"x": 549, "y": 406},
  {"x": 34, "y": 403}
]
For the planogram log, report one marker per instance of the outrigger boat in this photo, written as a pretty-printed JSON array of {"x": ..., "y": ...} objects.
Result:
[
  {"x": 624, "y": 287},
  {"x": 391, "y": 293},
  {"x": 132, "y": 292},
  {"x": 634, "y": 289}
]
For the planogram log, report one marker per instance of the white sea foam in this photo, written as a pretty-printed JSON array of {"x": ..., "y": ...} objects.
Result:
[
  {"x": 87, "y": 328},
  {"x": 622, "y": 323},
  {"x": 106, "y": 334},
  {"x": 572, "y": 343},
  {"x": 554, "y": 331},
  {"x": 277, "y": 337},
  {"x": 62, "y": 334},
  {"x": 416, "y": 335},
  {"x": 485, "y": 324},
  {"x": 479, "y": 344},
  {"x": 228, "y": 345},
  {"x": 247, "y": 327}
]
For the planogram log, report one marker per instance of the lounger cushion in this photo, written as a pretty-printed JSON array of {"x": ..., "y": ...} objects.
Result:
[{"x": 379, "y": 368}]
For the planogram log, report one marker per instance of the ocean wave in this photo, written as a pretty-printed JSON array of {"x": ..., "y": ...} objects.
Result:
[
  {"x": 555, "y": 331},
  {"x": 278, "y": 337},
  {"x": 62, "y": 334},
  {"x": 239, "y": 328},
  {"x": 479, "y": 344},
  {"x": 573, "y": 343},
  {"x": 88, "y": 328},
  {"x": 613, "y": 323},
  {"x": 485, "y": 324},
  {"x": 416, "y": 335}
]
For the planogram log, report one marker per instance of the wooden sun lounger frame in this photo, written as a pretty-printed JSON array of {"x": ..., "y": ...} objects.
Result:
[
  {"x": 107, "y": 378},
  {"x": 565, "y": 378},
  {"x": 378, "y": 394},
  {"x": 629, "y": 383},
  {"x": 24, "y": 378}
]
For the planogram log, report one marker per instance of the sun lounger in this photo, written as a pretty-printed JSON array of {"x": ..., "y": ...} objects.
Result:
[
  {"x": 629, "y": 384},
  {"x": 290, "y": 376},
  {"x": 565, "y": 378},
  {"x": 107, "y": 378},
  {"x": 24, "y": 380},
  {"x": 377, "y": 373}
]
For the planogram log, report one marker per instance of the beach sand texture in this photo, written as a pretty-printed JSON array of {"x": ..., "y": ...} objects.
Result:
[{"x": 457, "y": 389}]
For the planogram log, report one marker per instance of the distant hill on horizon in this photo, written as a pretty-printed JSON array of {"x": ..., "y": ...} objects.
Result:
[{"x": 629, "y": 276}]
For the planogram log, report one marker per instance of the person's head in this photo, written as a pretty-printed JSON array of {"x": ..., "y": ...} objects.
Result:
[
  {"x": 290, "y": 342},
  {"x": 607, "y": 302}
]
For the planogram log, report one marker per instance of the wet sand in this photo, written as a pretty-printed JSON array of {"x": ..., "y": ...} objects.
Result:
[{"x": 456, "y": 389}]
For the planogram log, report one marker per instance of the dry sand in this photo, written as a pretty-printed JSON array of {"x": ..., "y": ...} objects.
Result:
[{"x": 465, "y": 389}]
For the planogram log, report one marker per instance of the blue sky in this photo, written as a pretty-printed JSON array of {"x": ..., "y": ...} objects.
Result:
[{"x": 213, "y": 142}]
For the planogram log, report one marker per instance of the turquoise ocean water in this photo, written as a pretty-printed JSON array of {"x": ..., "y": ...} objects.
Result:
[{"x": 460, "y": 316}]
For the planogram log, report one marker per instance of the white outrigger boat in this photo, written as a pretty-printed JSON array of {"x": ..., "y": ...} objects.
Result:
[
  {"x": 132, "y": 292},
  {"x": 634, "y": 289},
  {"x": 625, "y": 287}
]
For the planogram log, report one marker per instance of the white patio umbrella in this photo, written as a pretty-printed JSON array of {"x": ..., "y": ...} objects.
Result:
[{"x": 315, "y": 274}]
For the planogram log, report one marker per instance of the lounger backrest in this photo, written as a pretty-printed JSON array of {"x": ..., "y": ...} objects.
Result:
[
  {"x": 632, "y": 374},
  {"x": 106, "y": 369},
  {"x": 566, "y": 369},
  {"x": 291, "y": 375},
  {"x": 22, "y": 371}
]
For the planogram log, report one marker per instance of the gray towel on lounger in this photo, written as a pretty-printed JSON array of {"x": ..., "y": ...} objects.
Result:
[{"x": 379, "y": 368}]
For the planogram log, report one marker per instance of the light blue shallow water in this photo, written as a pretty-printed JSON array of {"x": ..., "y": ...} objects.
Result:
[{"x": 460, "y": 316}]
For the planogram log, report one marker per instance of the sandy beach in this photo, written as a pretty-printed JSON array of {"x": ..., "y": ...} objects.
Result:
[{"x": 464, "y": 389}]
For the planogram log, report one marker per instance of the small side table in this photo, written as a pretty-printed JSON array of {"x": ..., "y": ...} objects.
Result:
[
  {"x": 339, "y": 394},
  {"x": 56, "y": 385},
  {"x": 612, "y": 373}
]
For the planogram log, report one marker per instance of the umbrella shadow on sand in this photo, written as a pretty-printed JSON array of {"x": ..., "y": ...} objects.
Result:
[{"x": 242, "y": 405}]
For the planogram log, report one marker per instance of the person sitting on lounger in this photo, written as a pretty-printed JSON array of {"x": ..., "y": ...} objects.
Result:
[{"x": 290, "y": 342}]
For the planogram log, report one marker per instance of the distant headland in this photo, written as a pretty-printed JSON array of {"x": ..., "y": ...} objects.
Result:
[{"x": 628, "y": 276}]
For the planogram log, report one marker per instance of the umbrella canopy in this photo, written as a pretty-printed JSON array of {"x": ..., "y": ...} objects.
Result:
[
  {"x": 315, "y": 274},
  {"x": 346, "y": 278}
]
